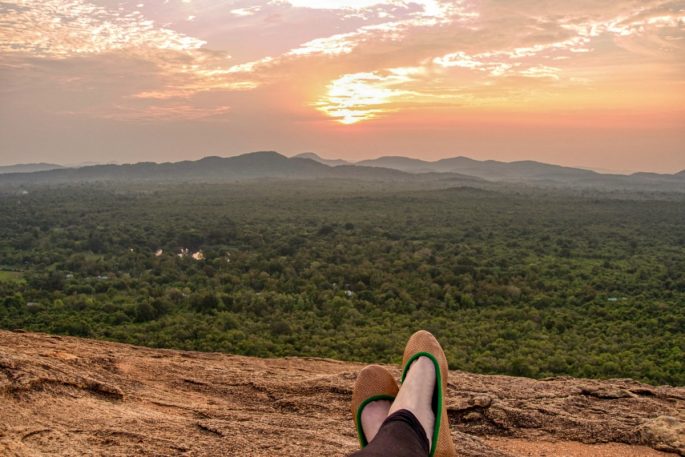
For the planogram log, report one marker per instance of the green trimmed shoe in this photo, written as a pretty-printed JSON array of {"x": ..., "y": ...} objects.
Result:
[
  {"x": 373, "y": 383},
  {"x": 423, "y": 344}
]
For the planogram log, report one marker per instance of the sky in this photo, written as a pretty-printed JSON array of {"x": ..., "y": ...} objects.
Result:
[{"x": 591, "y": 83}]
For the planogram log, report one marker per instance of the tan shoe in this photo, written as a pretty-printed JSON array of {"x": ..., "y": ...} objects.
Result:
[
  {"x": 373, "y": 383},
  {"x": 422, "y": 343}
]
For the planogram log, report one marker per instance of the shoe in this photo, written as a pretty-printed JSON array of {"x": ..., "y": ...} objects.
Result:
[
  {"x": 373, "y": 383},
  {"x": 423, "y": 344}
]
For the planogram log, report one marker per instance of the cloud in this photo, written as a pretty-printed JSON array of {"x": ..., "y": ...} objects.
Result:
[
  {"x": 178, "y": 64},
  {"x": 428, "y": 8},
  {"x": 360, "y": 59},
  {"x": 519, "y": 67},
  {"x": 64, "y": 28},
  {"x": 431, "y": 14},
  {"x": 541, "y": 71},
  {"x": 243, "y": 12},
  {"x": 342, "y": 4}
]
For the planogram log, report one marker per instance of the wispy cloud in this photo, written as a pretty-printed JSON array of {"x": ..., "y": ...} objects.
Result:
[
  {"x": 362, "y": 96},
  {"x": 425, "y": 8},
  {"x": 78, "y": 29},
  {"x": 65, "y": 28},
  {"x": 398, "y": 54},
  {"x": 243, "y": 12}
]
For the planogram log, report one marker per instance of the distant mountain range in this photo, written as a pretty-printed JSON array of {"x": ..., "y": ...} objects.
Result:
[
  {"x": 488, "y": 169},
  {"x": 263, "y": 164},
  {"x": 28, "y": 167},
  {"x": 531, "y": 172},
  {"x": 270, "y": 164}
]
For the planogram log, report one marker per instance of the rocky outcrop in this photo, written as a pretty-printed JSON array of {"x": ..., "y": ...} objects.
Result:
[
  {"x": 665, "y": 432},
  {"x": 70, "y": 396}
]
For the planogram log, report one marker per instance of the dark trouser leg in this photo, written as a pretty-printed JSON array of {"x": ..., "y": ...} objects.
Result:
[{"x": 401, "y": 435}]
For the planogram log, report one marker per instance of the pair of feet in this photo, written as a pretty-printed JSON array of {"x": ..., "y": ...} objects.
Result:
[{"x": 415, "y": 395}]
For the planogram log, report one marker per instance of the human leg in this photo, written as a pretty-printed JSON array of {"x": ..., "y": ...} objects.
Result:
[{"x": 401, "y": 435}]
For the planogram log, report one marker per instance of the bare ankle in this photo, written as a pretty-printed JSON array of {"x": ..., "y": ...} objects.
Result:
[{"x": 373, "y": 416}]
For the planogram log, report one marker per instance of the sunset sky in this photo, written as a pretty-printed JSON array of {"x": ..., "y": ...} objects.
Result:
[{"x": 591, "y": 83}]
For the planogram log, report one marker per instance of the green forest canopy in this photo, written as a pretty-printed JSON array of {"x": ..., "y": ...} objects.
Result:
[{"x": 523, "y": 282}]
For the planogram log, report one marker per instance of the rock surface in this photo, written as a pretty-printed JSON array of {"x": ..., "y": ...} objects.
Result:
[
  {"x": 666, "y": 433},
  {"x": 75, "y": 397}
]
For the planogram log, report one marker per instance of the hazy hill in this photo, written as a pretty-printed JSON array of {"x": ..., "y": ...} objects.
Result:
[
  {"x": 516, "y": 170},
  {"x": 532, "y": 172},
  {"x": 456, "y": 171},
  {"x": 246, "y": 166},
  {"x": 28, "y": 167},
  {"x": 72, "y": 396},
  {"x": 263, "y": 164},
  {"x": 659, "y": 175},
  {"x": 407, "y": 164},
  {"x": 317, "y": 158},
  {"x": 488, "y": 169}
]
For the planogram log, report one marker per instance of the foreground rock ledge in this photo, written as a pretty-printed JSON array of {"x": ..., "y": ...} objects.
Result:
[{"x": 74, "y": 397}]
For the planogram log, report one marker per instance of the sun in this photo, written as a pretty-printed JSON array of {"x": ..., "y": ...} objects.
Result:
[{"x": 357, "y": 97}]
